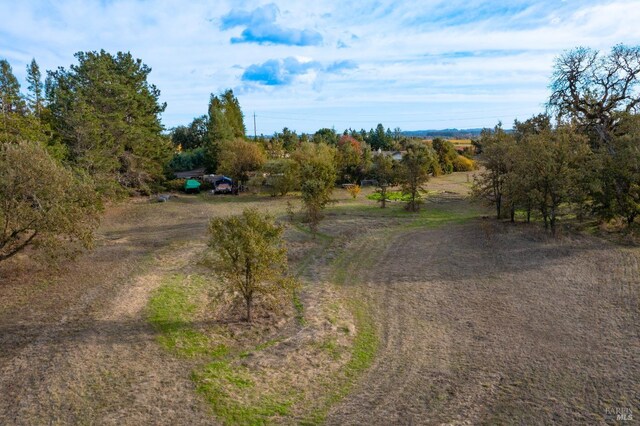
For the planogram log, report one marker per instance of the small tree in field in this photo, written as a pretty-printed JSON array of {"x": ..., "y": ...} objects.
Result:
[
  {"x": 252, "y": 258},
  {"x": 317, "y": 177},
  {"x": 384, "y": 170},
  {"x": 416, "y": 165},
  {"x": 354, "y": 190}
]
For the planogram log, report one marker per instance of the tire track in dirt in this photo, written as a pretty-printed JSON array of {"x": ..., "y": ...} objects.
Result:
[{"x": 483, "y": 323}]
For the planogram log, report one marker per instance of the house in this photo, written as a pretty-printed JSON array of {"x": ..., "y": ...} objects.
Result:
[
  {"x": 396, "y": 155},
  {"x": 196, "y": 173}
]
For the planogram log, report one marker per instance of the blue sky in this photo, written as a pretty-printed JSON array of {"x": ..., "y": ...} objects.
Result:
[{"x": 306, "y": 65}]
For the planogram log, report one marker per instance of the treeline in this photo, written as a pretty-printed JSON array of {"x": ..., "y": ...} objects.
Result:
[
  {"x": 199, "y": 144},
  {"x": 585, "y": 162},
  {"x": 92, "y": 132}
]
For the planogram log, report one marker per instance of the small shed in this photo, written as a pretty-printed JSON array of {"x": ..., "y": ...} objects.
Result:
[{"x": 192, "y": 185}]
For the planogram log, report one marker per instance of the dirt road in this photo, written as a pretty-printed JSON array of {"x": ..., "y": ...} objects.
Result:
[{"x": 485, "y": 323}]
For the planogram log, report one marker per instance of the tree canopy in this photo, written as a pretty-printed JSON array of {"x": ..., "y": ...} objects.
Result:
[
  {"x": 593, "y": 88},
  {"x": 42, "y": 203},
  {"x": 108, "y": 115},
  {"x": 251, "y": 258}
]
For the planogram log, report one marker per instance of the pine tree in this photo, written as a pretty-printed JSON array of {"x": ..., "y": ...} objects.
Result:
[
  {"x": 35, "y": 87},
  {"x": 108, "y": 115}
]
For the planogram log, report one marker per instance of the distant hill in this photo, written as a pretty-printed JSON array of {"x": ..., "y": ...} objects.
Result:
[{"x": 445, "y": 133}]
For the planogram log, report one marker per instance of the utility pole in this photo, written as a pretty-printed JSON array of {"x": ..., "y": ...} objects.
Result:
[{"x": 255, "y": 134}]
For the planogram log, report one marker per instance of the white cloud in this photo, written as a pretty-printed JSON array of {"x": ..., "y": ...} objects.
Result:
[{"x": 452, "y": 61}]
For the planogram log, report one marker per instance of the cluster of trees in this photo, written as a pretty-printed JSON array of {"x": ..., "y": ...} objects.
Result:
[
  {"x": 46, "y": 198},
  {"x": 200, "y": 143},
  {"x": 587, "y": 160},
  {"x": 287, "y": 141},
  {"x": 106, "y": 116}
]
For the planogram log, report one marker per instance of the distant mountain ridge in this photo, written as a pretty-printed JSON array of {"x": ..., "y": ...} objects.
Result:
[{"x": 445, "y": 133}]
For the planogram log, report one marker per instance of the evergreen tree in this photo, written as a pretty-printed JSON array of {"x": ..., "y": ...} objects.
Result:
[
  {"x": 10, "y": 98},
  {"x": 225, "y": 124},
  {"x": 35, "y": 87},
  {"x": 108, "y": 115},
  {"x": 233, "y": 113}
]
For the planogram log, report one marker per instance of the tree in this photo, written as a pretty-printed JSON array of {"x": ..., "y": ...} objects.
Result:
[
  {"x": 379, "y": 139},
  {"x": 446, "y": 153},
  {"x": 325, "y": 135},
  {"x": 350, "y": 160},
  {"x": 491, "y": 184},
  {"x": 416, "y": 165},
  {"x": 555, "y": 158},
  {"x": 108, "y": 115},
  {"x": 519, "y": 185},
  {"x": 251, "y": 258},
  {"x": 385, "y": 173},
  {"x": 10, "y": 98},
  {"x": 233, "y": 113},
  {"x": 42, "y": 203},
  {"x": 317, "y": 177},
  {"x": 283, "y": 176},
  {"x": 35, "y": 87},
  {"x": 239, "y": 157},
  {"x": 289, "y": 139},
  {"x": 192, "y": 136},
  {"x": 616, "y": 180},
  {"x": 593, "y": 89},
  {"x": 225, "y": 123}
]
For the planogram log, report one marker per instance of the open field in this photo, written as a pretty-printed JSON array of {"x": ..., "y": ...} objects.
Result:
[{"x": 439, "y": 317}]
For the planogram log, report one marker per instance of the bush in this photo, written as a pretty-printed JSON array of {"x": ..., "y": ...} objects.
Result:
[
  {"x": 175, "y": 184},
  {"x": 187, "y": 160},
  {"x": 354, "y": 190},
  {"x": 391, "y": 196},
  {"x": 283, "y": 176},
  {"x": 463, "y": 164}
]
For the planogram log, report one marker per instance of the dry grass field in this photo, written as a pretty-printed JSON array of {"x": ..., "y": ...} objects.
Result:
[{"x": 437, "y": 318}]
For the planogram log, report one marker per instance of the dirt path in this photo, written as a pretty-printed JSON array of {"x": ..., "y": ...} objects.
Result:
[{"x": 484, "y": 323}]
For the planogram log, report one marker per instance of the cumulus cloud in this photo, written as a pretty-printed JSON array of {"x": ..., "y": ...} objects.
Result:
[
  {"x": 278, "y": 72},
  {"x": 261, "y": 27},
  {"x": 446, "y": 63},
  {"x": 283, "y": 72}
]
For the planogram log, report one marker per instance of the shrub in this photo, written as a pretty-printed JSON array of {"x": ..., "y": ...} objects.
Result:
[
  {"x": 354, "y": 190},
  {"x": 463, "y": 164},
  {"x": 175, "y": 184}
]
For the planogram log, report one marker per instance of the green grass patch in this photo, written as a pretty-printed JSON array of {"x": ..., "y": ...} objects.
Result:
[
  {"x": 260, "y": 347},
  {"x": 232, "y": 396},
  {"x": 299, "y": 307},
  {"x": 391, "y": 196},
  {"x": 172, "y": 311}
]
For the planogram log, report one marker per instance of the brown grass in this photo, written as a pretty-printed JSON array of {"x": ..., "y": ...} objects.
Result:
[{"x": 479, "y": 322}]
